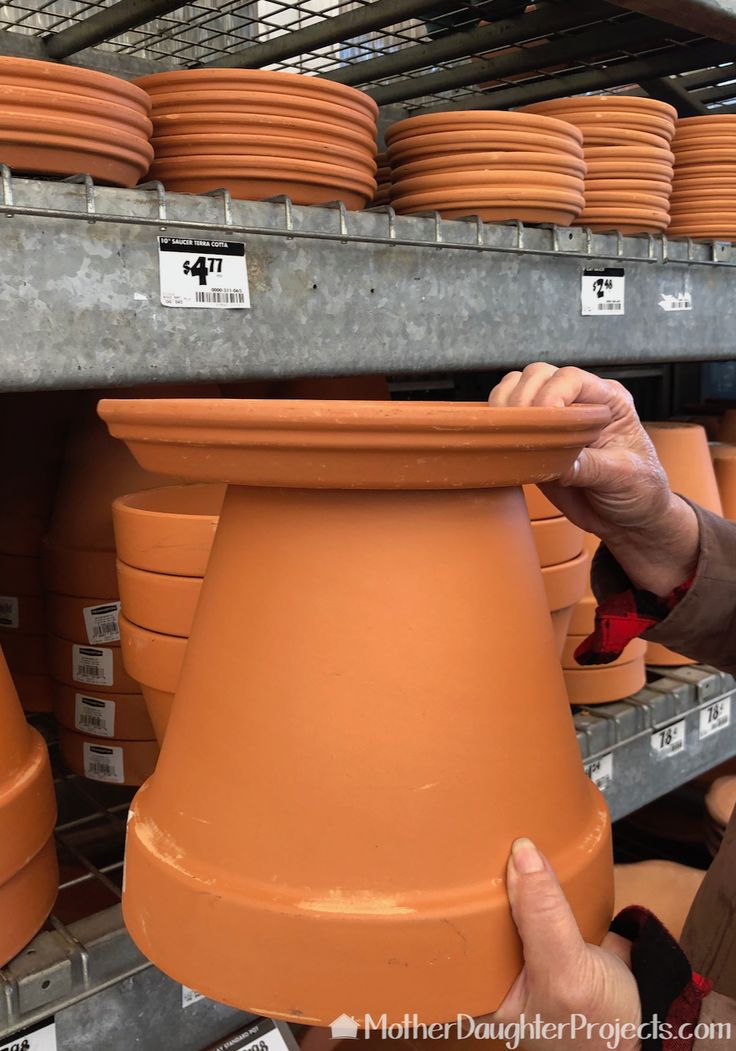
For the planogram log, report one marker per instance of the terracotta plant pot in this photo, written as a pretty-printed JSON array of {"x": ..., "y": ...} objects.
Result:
[
  {"x": 61, "y": 120},
  {"x": 664, "y": 887},
  {"x": 564, "y": 585},
  {"x": 724, "y": 465},
  {"x": 160, "y": 602},
  {"x": 720, "y": 800},
  {"x": 122, "y": 715},
  {"x": 68, "y": 571},
  {"x": 90, "y": 620},
  {"x": 26, "y": 653},
  {"x": 85, "y": 667},
  {"x": 537, "y": 504},
  {"x": 26, "y": 899},
  {"x": 557, "y": 540},
  {"x": 195, "y": 155},
  {"x": 108, "y": 759},
  {"x": 635, "y": 650},
  {"x": 601, "y": 685},
  {"x": 35, "y": 692},
  {"x": 324, "y": 501},
  {"x": 153, "y": 658}
]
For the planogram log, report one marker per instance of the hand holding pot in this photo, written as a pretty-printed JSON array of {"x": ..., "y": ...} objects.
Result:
[
  {"x": 617, "y": 488},
  {"x": 564, "y": 978}
]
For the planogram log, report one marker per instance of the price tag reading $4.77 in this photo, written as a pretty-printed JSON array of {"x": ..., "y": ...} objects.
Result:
[{"x": 210, "y": 274}]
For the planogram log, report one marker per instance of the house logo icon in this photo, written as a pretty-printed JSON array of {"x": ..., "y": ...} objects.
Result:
[{"x": 344, "y": 1028}]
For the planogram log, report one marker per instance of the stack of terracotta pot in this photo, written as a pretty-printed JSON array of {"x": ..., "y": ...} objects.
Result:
[
  {"x": 724, "y": 465},
  {"x": 564, "y": 564},
  {"x": 719, "y": 803},
  {"x": 163, "y": 538},
  {"x": 704, "y": 190},
  {"x": 383, "y": 180},
  {"x": 32, "y": 428},
  {"x": 600, "y": 683},
  {"x": 104, "y": 729},
  {"x": 627, "y": 144},
  {"x": 496, "y": 165},
  {"x": 29, "y": 876},
  {"x": 61, "y": 120},
  {"x": 260, "y": 134},
  {"x": 683, "y": 451}
]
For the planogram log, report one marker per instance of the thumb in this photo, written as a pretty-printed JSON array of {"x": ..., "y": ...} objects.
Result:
[
  {"x": 593, "y": 469},
  {"x": 543, "y": 918}
]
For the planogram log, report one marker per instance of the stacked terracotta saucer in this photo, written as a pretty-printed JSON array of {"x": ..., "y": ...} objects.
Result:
[
  {"x": 61, "y": 120},
  {"x": 704, "y": 190},
  {"x": 724, "y": 465},
  {"x": 683, "y": 451},
  {"x": 104, "y": 729},
  {"x": 564, "y": 564},
  {"x": 627, "y": 143},
  {"x": 493, "y": 164},
  {"x": 29, "y": 876},
  {"x": 383, "y": 180},
  {"x": 600, "y": 683},
  {"x": 163, "y": 538},
  {"x": 261, "y": 134},
  {"x": 719, "y": 803}
]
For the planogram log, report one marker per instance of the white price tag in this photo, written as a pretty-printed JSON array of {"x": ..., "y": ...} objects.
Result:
[
  {"x": 92, "y": 665},
  {"x": 715, "y": 717},
  {"x": 8, "y": 611},
  {"x": 38, "y": 1038},
  {"x": 93, "y": 715},
  {"x": 203, "y": 273},
  {"x": 104, "y": 763},
  {"x": 680, "y": 301},
  {"x": 263, "y": 1035},
  {"x": 101, "y": 622},
  {"x": 189, "y": 996},
  {"x": 600, "y": 771},
  {"x": 670, "y": 740},
  {"x": 602, "y": 291}
]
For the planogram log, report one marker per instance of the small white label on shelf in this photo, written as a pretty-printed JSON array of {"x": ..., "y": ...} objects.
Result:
[
  {"x": 680, "y": 301},
  {"x": 600, "y": 771},
  {"x": 715, "y": 717},
  {"x": 8, "y": 611},
  {"x": 602, "y": 291},
  {"x": 92, "y": 665},
  {"x": 41, "y": 1037},
  {"x": 670, "y": 740},
  {"x": 264, "y": 1035},
  {"x": 104, "y": 763},
  {"x": 203, "y": 273},
  {"x": 189, "y": 996},
  {"x": 101, "y": 622},
  {"x": 93, "y": 715}
]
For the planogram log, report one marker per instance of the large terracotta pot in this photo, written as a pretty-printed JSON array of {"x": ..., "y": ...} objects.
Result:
[
  {"x": 61, "y": 120},
  {"x": 724, "y": 464},
  {"x": 664, "y": 887},
  {"x": 318, "y": 617},
  {"x": 154, "y": 660}
]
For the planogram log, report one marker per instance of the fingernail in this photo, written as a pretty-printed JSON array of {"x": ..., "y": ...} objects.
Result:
[{"x": 526, "y": 857}]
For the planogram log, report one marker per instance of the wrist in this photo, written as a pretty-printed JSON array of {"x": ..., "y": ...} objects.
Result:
[{"x": 662, "y": 553}]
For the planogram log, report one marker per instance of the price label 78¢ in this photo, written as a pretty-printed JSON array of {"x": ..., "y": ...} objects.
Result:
[
  {"x": 670, "y": 740},
  {"x": 715, "y": 717}
]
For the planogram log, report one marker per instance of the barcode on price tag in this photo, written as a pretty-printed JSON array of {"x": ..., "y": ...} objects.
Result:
[
  {"x": 101, "y": 622},
  {"x": 41, "y": 1037},
  {"x": 8, "y": 611},
  {"x": 104, "y": 763},
  {"x": 715, "y": 717},
  {"x": 92, "y": 665},
  {"x": 93, "y": 715},
  {"x": 670, "y": 740},
  {"x": 203, "y": 273},
  {"x": 602, "y": 291},
  {"x": 600, "y": 771}
]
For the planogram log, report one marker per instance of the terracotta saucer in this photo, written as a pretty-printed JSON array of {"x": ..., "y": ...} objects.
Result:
[
  {"x": 707, "y": 120},
  {"x": 602, "y": 685},
  {"x": 500, "y": 160},
  {"x": 531, "y": 212},
  {"x": 107, "y": 675},
  {"x": 602, "y": 135},
  {"x": 486, "y": 120},
  {"x": 629, "y": 153},
  {"x": 582, "y": 621},
  {"x": 694, "y": 182},
  {"x": 285, "y": 442},
  {"x": 75, "y": 618},
  {"x": 535, "y": 183},
  {"x": 71, "y": 571},
  {"x": 695, "y": 156},
  {"x": 660, "y": 656},
  {"x": 41, "y": 102},
  {"x": 441, "y": 143},
  {"x": 625, "y": 103},
  {"x": 704, "y": 201},
  {"x": 56, "y": 77},
  {"x": 613, "y": 116},
  {"x": 610, "y": 198},
  {"x": 31, "y": 616},
  {"x": 629, "y": 169},
  {"x": 267, "y": 148}
]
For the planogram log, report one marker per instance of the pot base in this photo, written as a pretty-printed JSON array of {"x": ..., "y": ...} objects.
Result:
[{"x": 26, "y": 900}]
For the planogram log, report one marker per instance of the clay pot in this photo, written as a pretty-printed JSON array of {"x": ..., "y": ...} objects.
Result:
[
  {"x": 67, "y": 571},
  {"x": 62, "y": 120},
  {"x": 168, "y": 530},
  {"x": 603, "y": 684},
  {"x": 325, "y": 501},
  {"x": 557, "y": 540},
  {"x": 155, "y": 660},
  {"x": 664, "y": 887},
  {"x": 26, "y": 653},
  {"x": 121, "y": 715},
  {"x": 35, "y": 692},
  {"x": 90, "y": 620},
  {"x": 94, "y": 668},
  {"x": 634, "y": 651},
  {"x": 683, "y": 451},
  {"x": 159, "y": 601},
  {"x": 26, "y": 899},
  {"x": 537, "y": 504},
  {"x": 108, "y": 759},
  {"x": 564, "y": 586}
]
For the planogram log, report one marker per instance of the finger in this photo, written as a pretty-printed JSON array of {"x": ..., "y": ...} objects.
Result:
[
  {"x": 571, "y": 385},
  {"x": 619, "y": 946},
  {"x": 533, "y": 379},
  {"x": 502, "y": 391},
  {"x": 542, "y": 915}
]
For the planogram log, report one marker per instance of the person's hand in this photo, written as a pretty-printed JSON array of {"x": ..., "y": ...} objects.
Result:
[
  {"x": 617, "y": 487},
  {"x": 562, "y": 976}
]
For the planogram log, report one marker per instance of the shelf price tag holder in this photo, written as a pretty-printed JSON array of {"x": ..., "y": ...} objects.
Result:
[
  {"x": 602, "y": 292},
  {"x": 41, "y": 1037},
  {"x": 209, "y": 274}
]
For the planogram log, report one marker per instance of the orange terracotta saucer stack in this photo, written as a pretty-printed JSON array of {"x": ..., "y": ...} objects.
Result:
[
  {"x": 704, "y": 190},
  {"x": 630, "y": 162},
  {"x": 61, "y": 120},
  {"x": 496, "y": 165},
  {"x": 163, "y": 539},
  {"x": 564, "y": 563},
  {"x": 260, "y": 134},
  {"x": 29, "y": 876}
]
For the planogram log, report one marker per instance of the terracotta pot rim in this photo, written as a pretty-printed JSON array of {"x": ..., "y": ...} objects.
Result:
[
  {"x": 481, "y": 119},
  {"x": 28, "y": 788},
  {"x": 84, "y": 79},
  {"x": 293, "y": 83}
]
